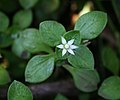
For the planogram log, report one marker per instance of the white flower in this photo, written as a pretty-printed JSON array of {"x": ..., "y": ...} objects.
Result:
[{"x": 67, "y": 46}]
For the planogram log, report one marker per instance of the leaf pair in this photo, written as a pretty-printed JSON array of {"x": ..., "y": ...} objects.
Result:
[{"x": 89, "y": 25}]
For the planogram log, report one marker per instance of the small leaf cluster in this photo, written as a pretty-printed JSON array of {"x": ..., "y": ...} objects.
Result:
[
  {"x": 80, "y": 65},
  {"x": 18, "y": 44},
  {"x": 42, "y": 43}
]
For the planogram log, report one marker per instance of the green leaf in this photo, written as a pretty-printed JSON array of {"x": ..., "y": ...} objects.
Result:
[
  {"x": 91, "y": 24},
  {"x": 110, "y": 60},
  {"x": 60, "y": 97},
  {"x": 19, "y": 50},
  {"x": 4, "y": 22},
  {"x": 32, "y": 41},
  {"x": 83, "y": 58},
  {"x": 51, "y": 32},
  {"x": 26, "y": 4},
  {"x": 85, "y": 80},
  {"x": 5, "y": 40},
  {"x": 4, "y": 76},
  {"x": 18, "y": 91},
  {"x": 39, "y": 68},
  {"x": 110, "y": 88},
  {"x": 73, "y": 35},
  {"x": 23, "y": 18}
]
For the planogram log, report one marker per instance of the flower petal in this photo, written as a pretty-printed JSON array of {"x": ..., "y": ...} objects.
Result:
[
  {"x": 73, "y": 47},
  {"x": 63, "y": 40},
  {"x": 71, "y": 42},
  {"x": 71, "y": 51},
  {"x": 64, "y": 52},
  {"x": 60, "y": 46}
]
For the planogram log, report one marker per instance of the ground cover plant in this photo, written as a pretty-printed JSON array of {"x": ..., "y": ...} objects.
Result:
[{"x": 46, "y": 55}]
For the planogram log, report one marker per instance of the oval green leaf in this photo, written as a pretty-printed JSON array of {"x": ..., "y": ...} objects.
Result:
[
  {"x": 32, "y": 41},
  {"x": 18, "y": 91},
  {"x": 26, "y": 4},
  {"x": 73, "y": 35},
  {"x": 85, "y": 80},
  {"x": 91, "y": 24},
  {"x": 51, "y": 32},
  {"x": 39, "y": 68},
  {"x": 83, "y": 58},
  {"x": 110, "y": 60},
  {"x": 23, "y": 18},
  {"x": 110, "y": 88},
  {"x": 4, "y": 76},
  {"x": 4, "y": 22}
]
